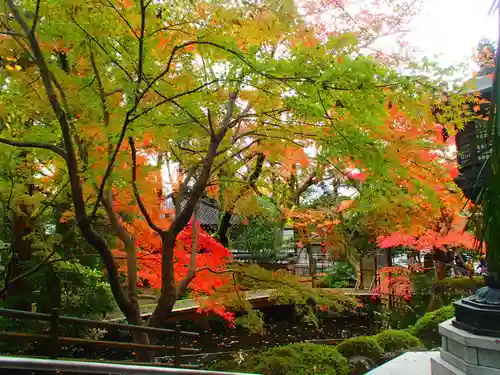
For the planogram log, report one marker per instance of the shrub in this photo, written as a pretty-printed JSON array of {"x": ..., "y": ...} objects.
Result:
[
  {"x": 340, "y": 275},
  {"x": 300, "y": 359},
  {"x": 393, "y": 340},
  {"x": 362, "y": 346},
  {"x": 426, "y": 328},
  {"x": 229, "y": 365}
]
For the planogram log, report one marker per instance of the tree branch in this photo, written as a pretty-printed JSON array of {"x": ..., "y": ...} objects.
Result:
[
  {"x": 42, "y": 210},
  {"x": 170, "y": 99},
  {"x": 94, "y": 239},
  {"x": 24, "y": 275},
  {"x": 114, "y": 61},
  {"x": 141, "y": 45},
  {"x": 199, "y": 186},
  {"x": 226, "y": 120},
  {"x": 311, "y": 180},
  {"x": 138, "y": 199},
  {"x": 107, "y": 202},
  {"x": 100, "y": 85},
  {"x": 236, "y": 153},
  {"x": 27, "y": 144},
  {"x": 191, "y": 274},
  {"x": 123, "y": 18},
  {"x": 36, "y": 17},
  {"x": 128, "y": 120},
  {"x": 192, "y": 117}
]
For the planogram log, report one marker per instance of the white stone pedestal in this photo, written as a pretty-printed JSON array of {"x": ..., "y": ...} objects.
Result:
[
  {"x": 411, "y": 363},
  {"x": 466, "y": 354}
]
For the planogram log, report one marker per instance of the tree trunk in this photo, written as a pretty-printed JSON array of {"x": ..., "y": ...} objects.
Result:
[
  {"x": 21, "y": 253},
  {"x": 360, "y": 275},
  {"x": 142, "y": 355},
  {"x": 136, "y": 317},
  {"x": 312, "y": 265},
  {"x": 223, "y": 231},
  {"x": 168, "y": 295},
  {"x": 52, "y": 288},
  {"x": 440, "y": 264},
  {"x": 388, "y": 257},
  {"x": 278, "y": 243}
]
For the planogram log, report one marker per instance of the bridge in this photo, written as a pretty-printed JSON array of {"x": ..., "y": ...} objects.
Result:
[{"x": 187, "y": 309}]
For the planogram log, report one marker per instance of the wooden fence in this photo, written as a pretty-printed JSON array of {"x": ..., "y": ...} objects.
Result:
[{"x": 54, "y": 338}]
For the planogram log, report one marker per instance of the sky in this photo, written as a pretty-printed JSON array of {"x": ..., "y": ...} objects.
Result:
[{"x": 452, "y": 28}]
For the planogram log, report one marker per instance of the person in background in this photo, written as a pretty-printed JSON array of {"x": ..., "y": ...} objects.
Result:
[
  {"x": 481, "y": 268},
  {"x": 470, "y": 266}
]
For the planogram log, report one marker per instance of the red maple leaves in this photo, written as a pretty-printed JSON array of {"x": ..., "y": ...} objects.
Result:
[
  {"x": 394, "y": 281},
  {"x": 429, "y": 240},
  {"x": 210, "y": 254}
]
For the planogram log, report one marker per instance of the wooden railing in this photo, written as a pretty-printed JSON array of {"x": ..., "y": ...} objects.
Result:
[{"x": 54, "y": 338}]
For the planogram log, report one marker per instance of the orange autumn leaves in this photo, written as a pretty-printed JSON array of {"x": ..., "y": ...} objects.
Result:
[
  {"x": 447, "y": 232},
  {"x": 209, "y": 253},
  {"x": 317, "y": 225}
]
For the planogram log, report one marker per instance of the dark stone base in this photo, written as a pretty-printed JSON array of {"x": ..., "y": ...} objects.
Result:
[{"x": 480, "y": 313}]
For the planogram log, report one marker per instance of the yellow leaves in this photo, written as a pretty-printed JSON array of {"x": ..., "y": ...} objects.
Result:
[
  {"x": 345, "y": 204},
  {"x": 127, "y": 4},
  {"x": 293, "y": 157},
  {"x": 203, "y": 9},
  {"x": 93, "y": 131},
  {"x": 249, "y": 95},
  {"x": 82, "y": 66},
  {"x": 67, "y": 216},
  {"x": 189, "y": 48},
  {"x": 248, "y": 205},
  {"x": 13, "y": 67},
  {"x": 164, "y": 41}
]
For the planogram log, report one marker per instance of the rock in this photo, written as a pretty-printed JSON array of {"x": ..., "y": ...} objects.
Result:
[{"x": 360, "y": 365}]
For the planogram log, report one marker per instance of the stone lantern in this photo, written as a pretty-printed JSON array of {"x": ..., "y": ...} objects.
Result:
[
  {"x": 471, "y": 341},
  {"x": 473, "y": 146}
]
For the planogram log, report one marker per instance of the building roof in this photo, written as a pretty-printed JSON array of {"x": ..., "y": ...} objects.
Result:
[
  {"x": 480, "y": 83},
  {"x": 208, "y": 213}
]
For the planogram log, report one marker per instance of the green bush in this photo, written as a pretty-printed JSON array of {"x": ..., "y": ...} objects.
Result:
[
  {"x": 362, "y": 346},
  {"x": 300, "y": 359},
  {"x": 426, "y": 328},
  {"x": 340, "y": 275},
  {"x": 229, "y": 365},
  {"x": 393, "y": 340}
]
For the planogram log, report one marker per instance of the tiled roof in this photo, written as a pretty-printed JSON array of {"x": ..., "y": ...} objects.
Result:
[{"x": 208, "y": 213}]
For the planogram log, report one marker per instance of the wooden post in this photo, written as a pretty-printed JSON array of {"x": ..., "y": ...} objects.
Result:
[
  {"x": 54, "y": 334},
  {"x": 205, "y": 335},
  {"x": 178, "y": 352}
]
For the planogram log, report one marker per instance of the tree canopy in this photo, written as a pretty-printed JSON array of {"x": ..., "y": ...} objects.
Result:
[{"x": 119, "y": 106}]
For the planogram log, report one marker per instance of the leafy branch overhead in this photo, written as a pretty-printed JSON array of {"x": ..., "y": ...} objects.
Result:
[{"x": 212, "y": 97}]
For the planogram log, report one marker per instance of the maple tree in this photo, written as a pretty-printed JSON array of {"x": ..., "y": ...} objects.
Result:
[
  {"x": 421, "y": 210},
  {"x": 141, "y": 245},
  {"x": 207, "y": 88},
  {"x": 440, "y": 227}
]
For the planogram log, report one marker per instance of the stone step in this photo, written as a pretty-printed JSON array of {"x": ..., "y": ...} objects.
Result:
[
  {"x": 440, "y": 367},
  {"x": 465, "y": 367}
]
